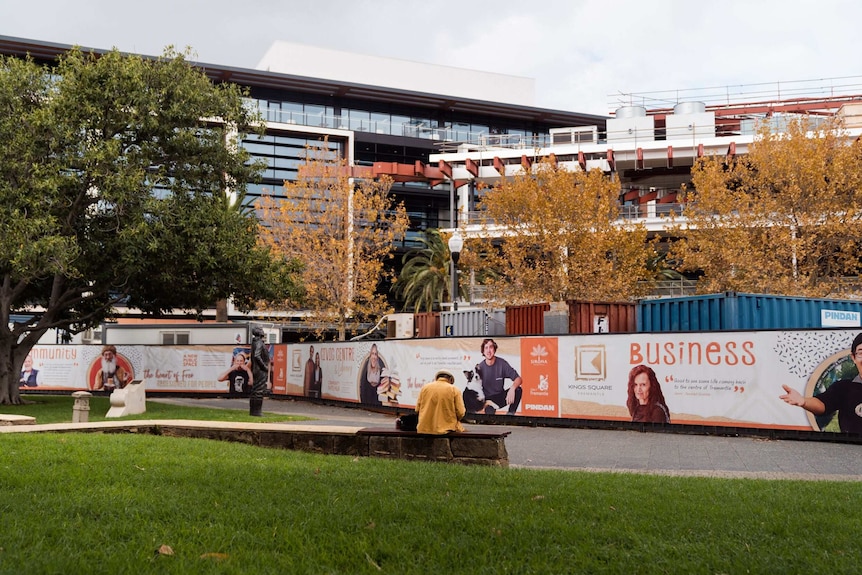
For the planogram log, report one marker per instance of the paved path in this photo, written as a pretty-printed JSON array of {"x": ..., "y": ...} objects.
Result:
[{"x": 618, "y": 450}]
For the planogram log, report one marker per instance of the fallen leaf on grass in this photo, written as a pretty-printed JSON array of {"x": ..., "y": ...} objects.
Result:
[
  {"x": 164, "y": 550},
  {"x": 216, "y": 556}
]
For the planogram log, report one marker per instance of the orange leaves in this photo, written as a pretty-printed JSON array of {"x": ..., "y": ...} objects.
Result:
[
  {"x": 558, "y": 237},
  {"x": 783, "y": 219},
  {"x": 343, "y": 230}
]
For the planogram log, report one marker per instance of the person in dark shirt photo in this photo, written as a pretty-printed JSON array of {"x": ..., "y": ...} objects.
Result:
[{"x": 843, "y": 396}]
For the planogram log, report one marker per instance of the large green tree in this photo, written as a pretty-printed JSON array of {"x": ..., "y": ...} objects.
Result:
[{"x": 113, "y": 178}]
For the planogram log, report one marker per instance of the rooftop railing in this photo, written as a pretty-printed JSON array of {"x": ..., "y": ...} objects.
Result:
[{"x": 627, "y": 212}]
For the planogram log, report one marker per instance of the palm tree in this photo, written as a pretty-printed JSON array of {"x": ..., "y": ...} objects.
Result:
[
  {"x": 424, "y": 281},
  {"x": 662, "y": 268}
]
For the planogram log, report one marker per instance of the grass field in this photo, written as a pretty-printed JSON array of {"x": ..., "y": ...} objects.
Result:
[
  {"x": 93, "y": 503},
  {"x": 58, "y": 409}
]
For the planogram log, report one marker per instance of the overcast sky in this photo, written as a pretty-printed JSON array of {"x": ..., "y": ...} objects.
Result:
[{"x": 580, "y": 52}]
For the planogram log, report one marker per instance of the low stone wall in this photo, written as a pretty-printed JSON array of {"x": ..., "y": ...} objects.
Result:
[{"x": 467, "y": 448}]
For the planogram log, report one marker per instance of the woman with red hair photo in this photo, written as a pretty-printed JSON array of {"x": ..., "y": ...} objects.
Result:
[{"x": 646, "y": 401}]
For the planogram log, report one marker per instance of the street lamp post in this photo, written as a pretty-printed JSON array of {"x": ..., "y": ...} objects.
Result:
[{"x": 456, "y": 242}]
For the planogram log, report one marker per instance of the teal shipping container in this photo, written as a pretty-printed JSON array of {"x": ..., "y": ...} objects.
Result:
[{"x": 731, "y": 311}]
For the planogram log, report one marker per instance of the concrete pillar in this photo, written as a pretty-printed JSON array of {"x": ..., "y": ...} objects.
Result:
[{"x": 81, "y": 409}]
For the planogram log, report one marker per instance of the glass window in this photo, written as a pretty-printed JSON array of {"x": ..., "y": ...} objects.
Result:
[
  {"x": 292, "y": 113},
  {"x": 461, "y": 131},
  {"x": 359, "y": 120},
  {"x": 317, "y": 115},
  {"x": 398, "y": 124},
  {"x": 175, "y": 337},
  {"x": 381, "y": 123}
]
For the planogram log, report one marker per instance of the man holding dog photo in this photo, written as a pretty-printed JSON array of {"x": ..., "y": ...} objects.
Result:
[{"x": 494, "y": 371}]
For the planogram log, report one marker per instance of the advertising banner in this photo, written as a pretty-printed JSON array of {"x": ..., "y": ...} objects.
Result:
[
  {"x": 161, "y": 368},
  {"x": 706, "y": 378}
]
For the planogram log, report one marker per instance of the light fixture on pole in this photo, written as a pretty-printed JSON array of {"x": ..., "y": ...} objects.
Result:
[{"x": 456, "y": 242}]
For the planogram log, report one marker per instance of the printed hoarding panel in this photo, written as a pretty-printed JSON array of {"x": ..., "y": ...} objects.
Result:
[
  {"x": 713, "y": 378},
  {"x": 709, "y": 378},
  {"x": 161, "y": 368}
]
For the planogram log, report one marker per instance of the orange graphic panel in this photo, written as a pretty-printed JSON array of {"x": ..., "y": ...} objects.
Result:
[
  {"x": 279, "y": 369},
  {"x": 540, "y": 375}
]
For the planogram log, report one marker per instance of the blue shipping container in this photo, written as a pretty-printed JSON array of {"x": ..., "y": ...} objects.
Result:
[{"x": 740, "y": 311}]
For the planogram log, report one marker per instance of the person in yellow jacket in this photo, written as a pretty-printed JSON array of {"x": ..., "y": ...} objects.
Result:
[{"x": 440, "y": 406}]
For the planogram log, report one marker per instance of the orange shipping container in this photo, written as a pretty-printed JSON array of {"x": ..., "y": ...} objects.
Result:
[
  {"x": 602, "y": 317},
  {"x": 427, "y": 324},
  {"x": 526, "y": 319}
]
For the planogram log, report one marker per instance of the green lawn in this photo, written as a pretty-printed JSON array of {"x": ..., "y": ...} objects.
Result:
[
  {"x": 107, "y": 503},
  {"x": 58, "y": 409}
]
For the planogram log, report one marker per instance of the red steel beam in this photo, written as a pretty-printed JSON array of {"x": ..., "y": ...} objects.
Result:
[
  {"x": 499, "y": 166},
  {"x": 472, "y": 167}
]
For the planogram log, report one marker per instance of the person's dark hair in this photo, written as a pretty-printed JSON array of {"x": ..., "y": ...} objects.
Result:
[
  {"x": 655, "y": 394},
  {"x": 857, "y": 341},
  {"x": 486, "y": 340}
]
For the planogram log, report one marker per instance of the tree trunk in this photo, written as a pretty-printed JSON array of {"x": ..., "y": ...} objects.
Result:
[
  {"x": 9, "y": 393},
  {"x": 221, "y": 311}
]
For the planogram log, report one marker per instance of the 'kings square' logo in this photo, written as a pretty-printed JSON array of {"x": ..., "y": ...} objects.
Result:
[{"x": 591, "y": 362}]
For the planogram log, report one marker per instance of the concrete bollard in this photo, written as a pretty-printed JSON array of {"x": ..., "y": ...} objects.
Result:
[{"x": 81, "y": 409}]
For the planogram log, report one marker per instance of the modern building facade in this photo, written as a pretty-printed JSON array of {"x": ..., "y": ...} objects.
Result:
[
  {"x": 379, "y": 128},
  {"x": 440, "y": 132}
]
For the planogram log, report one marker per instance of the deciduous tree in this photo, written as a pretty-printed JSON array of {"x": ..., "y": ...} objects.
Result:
[
  {"x": 556, "y": 235},
  {"x": 344, "y": 232},
  {"x": 111, "y": 192},
  {"x": 785, "y": 219}
]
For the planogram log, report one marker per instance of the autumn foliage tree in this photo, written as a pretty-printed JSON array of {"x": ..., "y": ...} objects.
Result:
[
  {"x": 785, "y": 219},
  {"x": 343, "y": 231},
  {"x": 555, "y": 235}
]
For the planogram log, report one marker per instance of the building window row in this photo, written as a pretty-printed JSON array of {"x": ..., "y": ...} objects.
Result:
[{"x": 357, "y": 120}]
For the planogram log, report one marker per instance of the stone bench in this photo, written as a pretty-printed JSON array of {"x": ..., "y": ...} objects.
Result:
[
  {"x": 469, "y": 447},
  {"x": 12, "y": 419}
]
